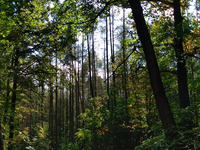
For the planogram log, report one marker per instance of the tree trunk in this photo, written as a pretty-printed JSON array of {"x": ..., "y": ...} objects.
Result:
[
  {"x": 183, "y": 94},
  {"x": 7, "y": 100},
  {"x": 14, "y": 99},
  {"x": 1, "y": 138},
  {"x": 51, "y": 113},
  {"x": 93, "y": 66},
  {"x": 124, "y": 74},
  {"x": 124, "y": 79},
  {"x": 56, "y": 107},
  {"x": 78, "y": 99},
  {"x": 113, "y": 56},
  {"x": 107, "y": 61},
  {"x": 71, "y": 105},
  {"x": 162, "y": 103},
  {"x": 42, "y": 105},
  {"x": 67, "y": 113},
  {"x": 89, "y": 65},
  {"x": 82, "y": 76}
]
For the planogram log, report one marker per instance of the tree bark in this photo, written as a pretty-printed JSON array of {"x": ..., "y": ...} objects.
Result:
[
  {"x": 107, "y": 61},
  {"x": 124, "y": 79},
  {"x": 7, "y": 100},
  {"x": 14, "y": 99},
  {"x": 183, "y": 93},
  {"x": 82, "y": 76},
  {"x": 113, "y": 55},
  {"x": 93, "y": 66},
  {"x": 51, "y": 112},
  {"x": 152, "y": 65},
  {"x": 71, "y": 105},
  {"x": 1, "y": 138},
  {"x": 67, "y": 112},
  {"x": 89, "y": 65},
  {"x": 42, "y": 103},
  {"x": 56, "y": 107}
]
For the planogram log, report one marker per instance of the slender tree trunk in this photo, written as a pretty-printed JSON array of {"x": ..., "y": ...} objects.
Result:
[
  {"x": 67, "y": 113},
  {"x": 78, "y": 99},
  {"x": 76, "y": 96},
  {"x": 71, "y": 105},
  {"x": 113, "y": 57},
  {"x": 42, "y": 109},
  {"x": 162, "y": 103},
  {"x": 60, "y": 110},
  {"x": 183, "y": 93},
  {"x": 107, "y": 61},
  {"x": 104, "y": 60},
  {"x": 90, "y": 74},
  {"x": 63, "y": 104},
  {"x": 51, "y": 113},
  {"x": 1, "y": 138},
  {"x": 7, "y": 100},
  {"x": 93, "y": 66},
  {"x": 82, "y": 75},
  {"x": 56, "y": 107},
  {"x": 124, "y": 80},
  {"x": 14, "y": 99}
]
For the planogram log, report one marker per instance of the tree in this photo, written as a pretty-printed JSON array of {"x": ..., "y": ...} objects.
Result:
[
  {"x": 154, "y": 73},
  {"x": 1, "y": 138},
  {"x": 184, "y": 99}
]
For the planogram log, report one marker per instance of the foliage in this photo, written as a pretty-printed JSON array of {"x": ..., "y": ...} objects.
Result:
[
  {"x": 24, "y": 140},
  {"x": 94, "y": 120},
  {"x": 45, "y": 85}
]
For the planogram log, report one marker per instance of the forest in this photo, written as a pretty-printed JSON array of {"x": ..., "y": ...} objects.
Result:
[{"x": 99, "y": 74}]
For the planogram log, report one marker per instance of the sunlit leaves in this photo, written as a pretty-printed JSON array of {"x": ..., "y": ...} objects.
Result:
[{"x": 6, "y": 26}]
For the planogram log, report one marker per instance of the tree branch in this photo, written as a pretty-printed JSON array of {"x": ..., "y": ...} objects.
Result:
[
  {"x": 134, "y": 49},
  {"x": 162, "y": 1}
]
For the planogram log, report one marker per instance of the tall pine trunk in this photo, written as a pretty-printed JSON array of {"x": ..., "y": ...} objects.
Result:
[
  {"x": 14, "y": 99},
  {"x": 93, "y": 66},
  {"x": 71, "y": 105},
  {"x": 107, "y": 61},
  {"x": 51, "y": 113},
  {"x": 82, "y": 76},
  {"x": 183, "y": 94},
  {"x": 56, "y": 107},
  {"x": 89, "y": 65}
]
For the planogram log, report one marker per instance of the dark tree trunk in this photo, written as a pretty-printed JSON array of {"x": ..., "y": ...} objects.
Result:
[
  {"x": 71, "y": 105},
  {"x": 76, "y": 74},
  {"x": 162, "y": 103},
  {"x": 1, "y": 138},
  {"x": 93, "y": 66},
  {"x": 67, "y": 113},
  {"x": 51, "y": 113},
  {"x": 124, "y": 78},
  {"x": 124, "y": 74},
  {"x": 89, "y": 65},
  {"x": 113, "y": 56},
  {"x": 7, "y": 100},
  {"x": 107, "y": 60},
  {"x": 82, "y": 76},
  {"x": 56, "y": 108},
  {"x": 183, "y": 94},
  {"x": 14, "y": 99},
  {"x": 78, "y": 99},
  {"x": 42, "y": 104},
  {"x": 63, "y": 104}
]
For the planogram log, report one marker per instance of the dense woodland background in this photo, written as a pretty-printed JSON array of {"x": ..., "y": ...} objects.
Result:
[{"x": 99, "y": 74}]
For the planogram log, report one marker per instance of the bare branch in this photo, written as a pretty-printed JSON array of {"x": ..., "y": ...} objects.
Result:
[{"x": 134, "y": 49}]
